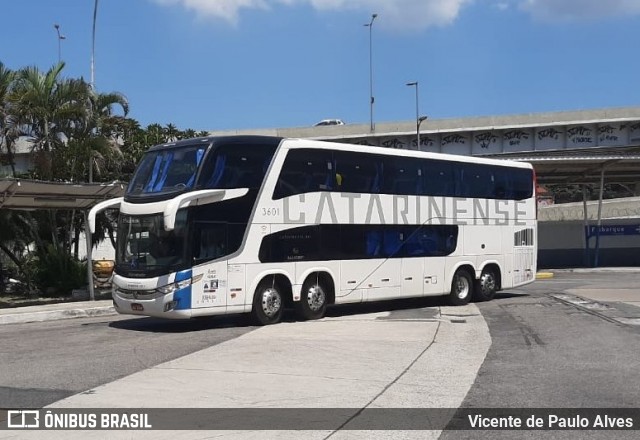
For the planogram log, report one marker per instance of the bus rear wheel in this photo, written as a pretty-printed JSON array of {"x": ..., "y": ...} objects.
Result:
[
  {"x": 461, "y": 288},
  {"x": 486, "y": 286},
  {"x": 313, "y": 299},
  {"x": 268, "y": 303}
]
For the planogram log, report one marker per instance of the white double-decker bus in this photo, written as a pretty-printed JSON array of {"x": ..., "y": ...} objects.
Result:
[{"x": 256, "y": 224}]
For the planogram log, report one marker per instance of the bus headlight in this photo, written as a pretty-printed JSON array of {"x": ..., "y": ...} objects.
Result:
[{"x": 170, "y": 288}]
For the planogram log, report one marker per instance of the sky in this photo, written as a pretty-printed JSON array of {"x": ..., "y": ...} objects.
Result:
[{"x": 243, "y": 64}]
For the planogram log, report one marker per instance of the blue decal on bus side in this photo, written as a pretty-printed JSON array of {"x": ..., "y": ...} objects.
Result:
[
  {"x": 183, "y": 275},
  {"x": 183, "y": 296}
]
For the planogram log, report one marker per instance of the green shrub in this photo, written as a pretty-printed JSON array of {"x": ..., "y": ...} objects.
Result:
[{"x": 56, "y": 273}]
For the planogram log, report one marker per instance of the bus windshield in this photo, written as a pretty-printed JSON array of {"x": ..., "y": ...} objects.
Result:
[
  {"x": 145, "y": 247},
  {"x": 167, "y": 171}
]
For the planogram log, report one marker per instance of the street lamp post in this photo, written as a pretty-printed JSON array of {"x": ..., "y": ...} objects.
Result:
[
  {"x": 93, "y": 44},
  {"x": 60, "y": 38},
  {"x": 419, "y": 119},
  {"x": 371, "y": 98}
]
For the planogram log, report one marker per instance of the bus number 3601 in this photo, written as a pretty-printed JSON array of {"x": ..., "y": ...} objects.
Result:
[{"x": 270, "y": 212}]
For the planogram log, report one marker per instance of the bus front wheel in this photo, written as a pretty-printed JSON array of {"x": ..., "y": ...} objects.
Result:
[
  {"x": 461, "y": 288},
  {"x": 313, "y": 299},
  {"x": 268, "y": 303}
]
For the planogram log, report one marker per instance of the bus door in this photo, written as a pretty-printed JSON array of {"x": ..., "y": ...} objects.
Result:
[{"x": 211, "y": 244}]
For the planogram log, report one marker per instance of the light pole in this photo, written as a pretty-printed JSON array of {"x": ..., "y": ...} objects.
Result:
[
  {"x": 371, "y": 98},
  {"x": 60, "y": 38},
  {"x": 93, "y": 44},
  {"x": 419, "y": 119}
]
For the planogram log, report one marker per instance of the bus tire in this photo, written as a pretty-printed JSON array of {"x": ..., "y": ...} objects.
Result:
[
  {"x": 268, "y": 303},
  {"x": 461, "y": 288},
  {"x": 486, "y": 286},
  {"x": 313, "y": 299}
]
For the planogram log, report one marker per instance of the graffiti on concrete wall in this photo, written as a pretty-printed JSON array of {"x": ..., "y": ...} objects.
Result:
[
  {"x": 484, "y": 140},
  {"x": 394, "y": 143},
  {"x": 514, "y": 138},
  {"x": 496, "y": 141},
  {"x": 581, "y": 135}
]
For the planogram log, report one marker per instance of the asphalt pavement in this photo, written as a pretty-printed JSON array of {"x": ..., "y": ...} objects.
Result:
[{"x": 519, "y": 350}]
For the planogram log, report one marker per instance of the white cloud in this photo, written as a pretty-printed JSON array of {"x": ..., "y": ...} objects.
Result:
[
  {"x": 580, "y": 9},
  {"x": 415, "y": 14},
  {"x": 399, "y": 14}
]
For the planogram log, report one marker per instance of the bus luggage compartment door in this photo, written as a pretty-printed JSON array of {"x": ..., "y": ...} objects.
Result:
[{"x": 412, "y": 275}]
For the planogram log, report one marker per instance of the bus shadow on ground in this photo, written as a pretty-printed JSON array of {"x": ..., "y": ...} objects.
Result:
[
  {"x": 394, "y": 305},
  {"x": 398, "y": 305},
  {"x": 510, "y": 294},
  {"x": 409, "y": 308},
  {"x": 159, "y": 325}
]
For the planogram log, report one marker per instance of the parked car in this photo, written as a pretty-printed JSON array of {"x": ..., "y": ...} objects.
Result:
[{"x": 329, "y": 122}]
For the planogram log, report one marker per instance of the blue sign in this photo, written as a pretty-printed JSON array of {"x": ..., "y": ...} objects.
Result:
[{"x": 592, "y": 231}]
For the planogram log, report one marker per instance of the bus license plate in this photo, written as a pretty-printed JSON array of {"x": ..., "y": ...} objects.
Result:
[{"x": 137, "y": 307}]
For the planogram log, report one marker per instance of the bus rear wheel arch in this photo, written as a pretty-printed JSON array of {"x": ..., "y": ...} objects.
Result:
[
  {"x": 270, "y": 298},
  {"x": 488, "y": 284},
  {"x": 461, "y": 287},
  {"x": 316, "y": 293}
]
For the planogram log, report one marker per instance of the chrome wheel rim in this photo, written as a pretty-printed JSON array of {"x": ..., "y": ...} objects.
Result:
[
  {"x": 462, "y": 287},
  {"x": 271, "y": 302},
  {"x": 316, "y": 297},
  {"x": 488, "y": 283}
]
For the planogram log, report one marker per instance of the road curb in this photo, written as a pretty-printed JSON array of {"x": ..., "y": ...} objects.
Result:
[
  {"x": 54, "y": 315},
  {"x": 544, "y": 275}
]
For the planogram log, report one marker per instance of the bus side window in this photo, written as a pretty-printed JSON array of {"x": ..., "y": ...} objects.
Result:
[
  {"x": 357, "y": 171},
  {"x": 501, "y": 183},
  {"x": 305, "y": 171},
  {"x": 439, "y": 178},
  {"x": 374, "y": 243},
  {"x": 520, "y": 183},
  {"x": 212, "y": 241}
]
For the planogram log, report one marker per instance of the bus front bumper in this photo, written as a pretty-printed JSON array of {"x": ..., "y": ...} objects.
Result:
[{"x": 157, "y": 305}]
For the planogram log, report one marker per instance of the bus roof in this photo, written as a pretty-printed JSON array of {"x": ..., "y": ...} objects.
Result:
[
  {"x": 308, "y": 143},
  {"x": 243, "y": 139}
]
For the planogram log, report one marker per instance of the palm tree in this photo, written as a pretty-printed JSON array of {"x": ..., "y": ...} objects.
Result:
[
  {"x": 100, "y": 134},
  {"x": 155, "y": 134},
  {"x": 45, "y": 108},
  {"x": 7, "y": 134},
  {"x": 171, "y": 132}
]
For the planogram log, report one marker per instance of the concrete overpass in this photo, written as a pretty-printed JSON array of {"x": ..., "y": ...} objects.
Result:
[
  {"x": 590, "y": 147},
  {"x": 565, "y": 147}
]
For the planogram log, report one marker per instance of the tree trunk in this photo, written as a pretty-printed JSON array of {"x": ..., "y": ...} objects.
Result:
[{"x": 76, "y": 243}]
